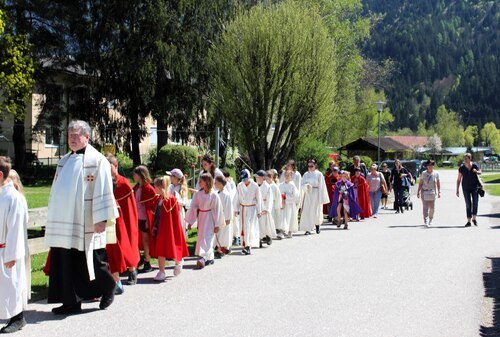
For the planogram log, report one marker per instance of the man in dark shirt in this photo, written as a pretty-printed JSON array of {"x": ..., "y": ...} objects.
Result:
[{"x": 357, "y": 163}]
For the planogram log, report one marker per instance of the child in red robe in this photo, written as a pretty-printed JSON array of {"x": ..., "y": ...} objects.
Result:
[
  {"x": 146, "y": 198},
  {"x": 126, "y": 251},
  {"x": 168, "y": 240},
  {"x": 362, "y": 194}
]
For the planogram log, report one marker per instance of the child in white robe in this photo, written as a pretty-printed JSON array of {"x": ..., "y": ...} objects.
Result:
[
  {"x": 248, "y": 205},
  {"x": 14, "y": 255},
  {"x": 266, "y": 221},
  {"x": 289, "y": 213},
  {"x": 273, "y": 181},
  {"x": 206, "y": 210},
  {"x": 235, "y": 223},
  {"x": 224, "y": 238}
]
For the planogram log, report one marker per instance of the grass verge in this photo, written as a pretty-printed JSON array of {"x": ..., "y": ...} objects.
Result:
[
  {"x": 493, "y": 189},
  {"x": 491, "y": 178},
  {"x": 40, "y": 282}
]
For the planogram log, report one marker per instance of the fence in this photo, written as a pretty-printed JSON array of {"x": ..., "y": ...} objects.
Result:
[{"x": 490, "y": 167}]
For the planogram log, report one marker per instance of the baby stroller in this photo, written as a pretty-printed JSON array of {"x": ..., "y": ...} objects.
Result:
[{"x": 407, "y": 203}]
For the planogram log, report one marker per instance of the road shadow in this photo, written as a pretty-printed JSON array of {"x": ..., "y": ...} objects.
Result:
[
  {"x": 37, "y": 317},
  {"x": 405, "y": 226},
  {"x": 492, "y": 215},
  {"x": 491, "y": 282}
]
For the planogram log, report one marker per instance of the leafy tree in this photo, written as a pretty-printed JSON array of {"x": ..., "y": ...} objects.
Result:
[
  {"x": 448, "y": 127},
  {"x": 274, "y": 79},
  {"x": 16, "y": 78},
  {"x": 489, "y": 133},
  {"x": 471, "y": 135}
]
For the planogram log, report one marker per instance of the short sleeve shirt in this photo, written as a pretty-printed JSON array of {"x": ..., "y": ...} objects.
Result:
[
  {"x": 429, "y": 180},
  {"x": 470, "y": 180}
]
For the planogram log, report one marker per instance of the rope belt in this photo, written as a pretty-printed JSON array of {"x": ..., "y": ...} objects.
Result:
[
  {"x": 2, "y": 245},
  {"x": 252, "y": 205},
  {"x": 204, "y": 210}
]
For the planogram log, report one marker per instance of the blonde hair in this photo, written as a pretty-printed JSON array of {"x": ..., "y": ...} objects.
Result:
[
  {"x": 16, "y": 180},
  {"x": 184, "y": 187},
  {"x": 289, "y": 173},
  {"x": 164, "y": 183}
]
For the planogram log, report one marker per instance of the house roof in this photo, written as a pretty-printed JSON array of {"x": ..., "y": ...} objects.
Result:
[
  {"x": 368, "y": 143},
  {"x": 411, "y": 141}
]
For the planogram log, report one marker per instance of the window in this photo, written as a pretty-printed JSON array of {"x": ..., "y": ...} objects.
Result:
[
  {"x": 52, "y": 136},
  {"x": 153, "y": 136}
]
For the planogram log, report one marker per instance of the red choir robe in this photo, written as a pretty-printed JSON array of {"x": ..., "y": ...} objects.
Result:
[
  {"x": 149, "y": 199},
  {"x": 363, "y": 196},
  {"x": 330, "y": 181},
  {"x": 115, "y": 251},
  {"x": 168, "y": 239},
  {"x": 124, "y": 195},
  {"x": 126, "y": 251}
]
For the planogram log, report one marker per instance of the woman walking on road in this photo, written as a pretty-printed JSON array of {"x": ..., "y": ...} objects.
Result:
[
  {"x": 387, "y": 176},
  {"x": 428, "y": 188},
  {"x": 376, "y": 187},
  {"x": 399, "y": 177},
  {"x": 468, "y": 176}
]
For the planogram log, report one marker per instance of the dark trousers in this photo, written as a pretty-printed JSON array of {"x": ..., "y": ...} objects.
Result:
[
  {"x": 398, "y": 195},
  {"x": 471, "y": 197},
  {"x": 69, "y": 281}
]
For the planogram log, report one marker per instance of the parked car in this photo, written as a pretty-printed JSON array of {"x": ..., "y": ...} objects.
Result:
[{"x": 408, "y": 164}]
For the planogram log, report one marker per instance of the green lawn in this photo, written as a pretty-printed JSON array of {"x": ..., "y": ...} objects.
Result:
[
  {"x": 39, "y": 281},
  {"x": 493, "y": 189},
  {"x": 491, "y": 178},
  {"x": 37, "y": 196}
]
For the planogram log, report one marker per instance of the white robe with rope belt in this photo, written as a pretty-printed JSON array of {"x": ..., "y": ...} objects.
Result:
[
  {"x": 248, "y": 202},
  {"x": 14, "y": 282},
  {"x": 82, "y": 196},
  {"x": 225, "y": 236},
  {"x": 314, "y": 195},
  {"x": 266, "y": 221},
  {"x": 289, "y": 215},
  {"x": 277, "y": 204},
  {"x": 205, "y": 208}
]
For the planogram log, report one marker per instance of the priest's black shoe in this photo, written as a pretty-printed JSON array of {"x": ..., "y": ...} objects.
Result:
[
  {"x": 68, "y": 309},
  {"x": 107, "y": 299},
  {"x": 317, "y": 229},
  {"x": 16, "y": 323},
  {"x": 269, "y": 241}
]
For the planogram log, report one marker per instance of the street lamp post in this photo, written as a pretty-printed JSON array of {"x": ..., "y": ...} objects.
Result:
[{"x": 380, "y": 107}]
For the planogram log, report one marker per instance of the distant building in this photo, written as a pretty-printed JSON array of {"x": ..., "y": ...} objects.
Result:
[
  {"x": 46, "y": 140},
  {"x": 391, "y": 147}
]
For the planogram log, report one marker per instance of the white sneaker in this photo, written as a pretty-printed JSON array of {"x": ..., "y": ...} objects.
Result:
[
  {"x": 429, "y": 223},
  {"x": 177, "y": 269},
  {"x": 160, "y": 277}
]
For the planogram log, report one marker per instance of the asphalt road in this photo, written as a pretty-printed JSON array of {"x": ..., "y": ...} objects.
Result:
[{"x": 383, "y": 277}]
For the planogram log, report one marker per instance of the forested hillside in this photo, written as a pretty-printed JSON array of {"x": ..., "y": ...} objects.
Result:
[{"x": 445, "y": 52}]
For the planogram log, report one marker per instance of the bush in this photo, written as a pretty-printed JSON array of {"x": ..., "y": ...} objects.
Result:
[
  {"x": 367, "y": 160},
  {"x": 124, "y": 161},
  {"x": 312, "y": 149},
  {"x": 177, "y": 156}
]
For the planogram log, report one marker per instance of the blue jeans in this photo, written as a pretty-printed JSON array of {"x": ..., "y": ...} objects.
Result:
[
  {"x": 375, "y": 201},
  {"x": 398, "y": 195},
  {"x": 471, "y": 201}
]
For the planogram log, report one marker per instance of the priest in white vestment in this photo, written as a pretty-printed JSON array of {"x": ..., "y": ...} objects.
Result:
[
  {"x": 314, "y": 195},
  {"x": 248, "y": 206},
  {"x": 14, "y": 255},
  {"x": 81, "y": 221}
]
